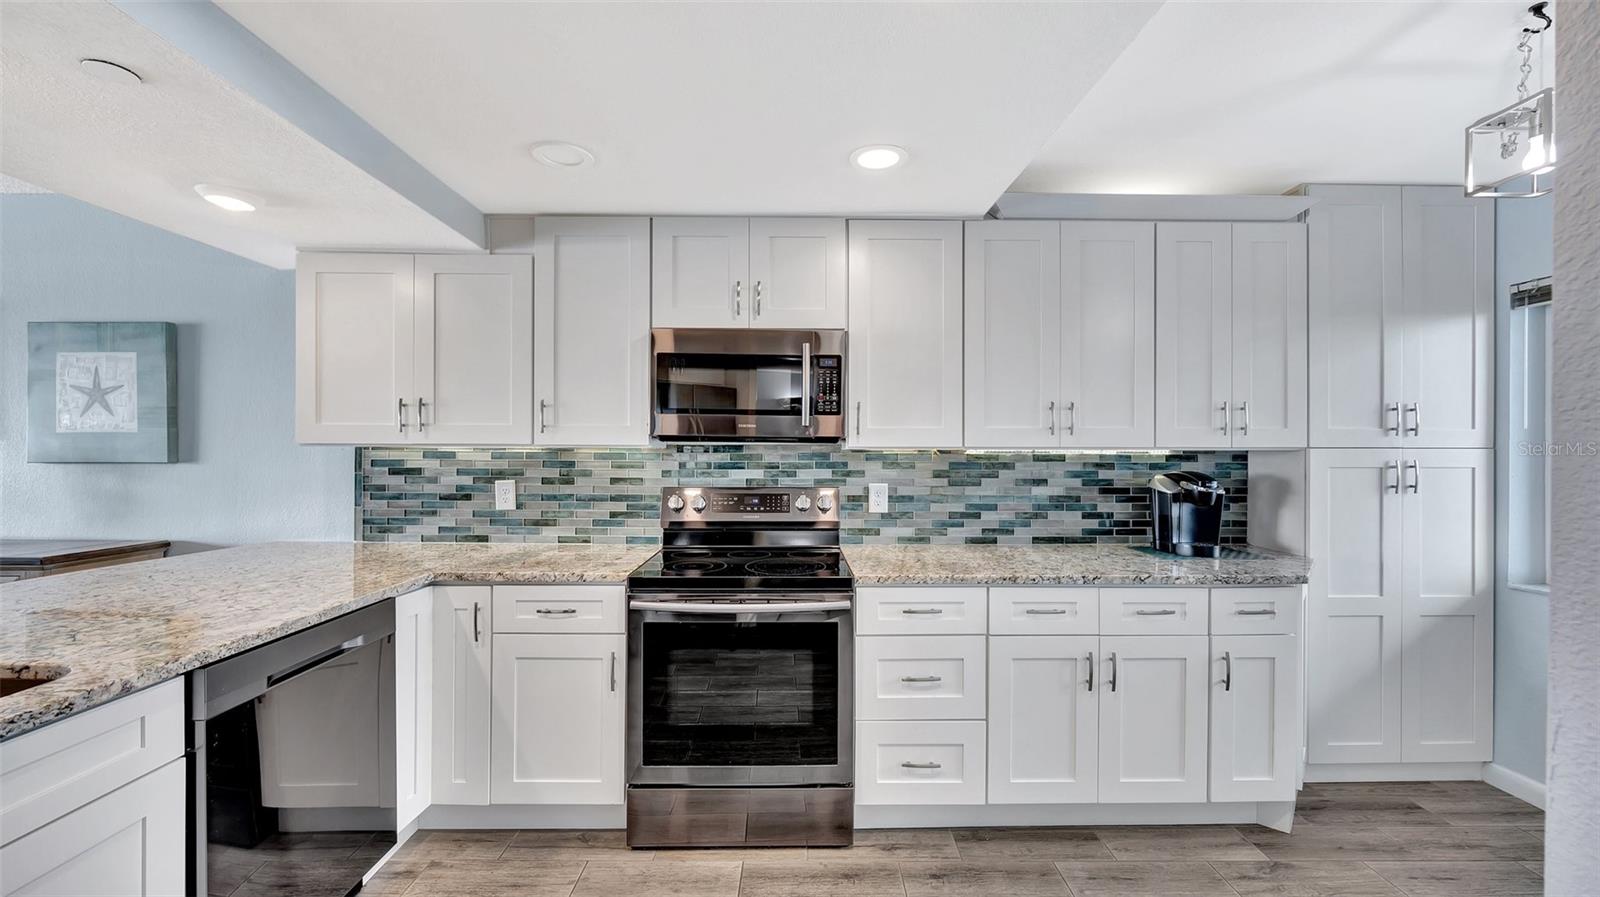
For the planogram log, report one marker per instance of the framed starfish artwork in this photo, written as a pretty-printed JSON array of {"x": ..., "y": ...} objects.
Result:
[{"x": 102, "y": 392}]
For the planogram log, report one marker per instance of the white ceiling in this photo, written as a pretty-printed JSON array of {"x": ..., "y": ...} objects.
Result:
[
  {"x": 707, "y": 108},
  {"x": 1253, "y": 97},
  {"x": 140, "y": 150}
]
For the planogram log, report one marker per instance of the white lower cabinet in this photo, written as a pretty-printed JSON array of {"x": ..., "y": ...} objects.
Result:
[
  {"x": 558, "y": 718},
  {"x": 1044, "y": 719},
  {"x": 1255, "y": 743},
  {"x": 461, "y": 627},
  {"x": 921, "y": 762},
  {"x": 1153, "y": 718},
  {"x": 129, "y": 842}
]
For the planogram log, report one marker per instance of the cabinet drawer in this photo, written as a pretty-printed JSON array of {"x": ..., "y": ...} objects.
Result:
[
  {"x": 1255, "y": 611},
  {"x": 911, "y": 763},
  {"x": 560, "y": 609},
  {"x": 1162, "y": 610},
  {"x": 1044, "y": 611},
  {"x": 65, "y": 765},
  {"x": 918, "y": 677},
  {"x": 930, "y": 610}
]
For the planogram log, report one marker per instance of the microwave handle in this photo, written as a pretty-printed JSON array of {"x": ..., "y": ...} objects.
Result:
[{"x": 805, "y": 385}]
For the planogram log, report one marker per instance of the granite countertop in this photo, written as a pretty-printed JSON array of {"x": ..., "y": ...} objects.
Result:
[
  {"x": 119, "y": 629},
  {"x": 1067, "y": 565}
]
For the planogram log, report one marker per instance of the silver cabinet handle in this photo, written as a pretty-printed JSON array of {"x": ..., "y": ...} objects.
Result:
[
  {"x": 1261, "y": 612},
  {"x": 930, "y": 765},
  {"x": 1244, "y": 418},
  {"x": 1415, "y": 485},
  {"x": 421, "y": 407},
  {"x": 1052, "y": 409},
  {"x": 915, "y": 679},
  {"x": 561, "y": 613},
  {"x": 1072, "y": 418},
  {"x": 1394, "y": 409},
  {"x": 1090, "y": 683},
  {"x": 1165, "y": 612},
  {"x": 477, "y": 627},
  {"x": 402, "y": 414},
  {"x": 1227, "y": 417},
  {"x": 542, "y": 406},
  {"x": 613, "y": 671},
  {"x": 1227, "y": 671},
  {"x": 1113, "y": 671},
  {"x": 1414, "y": 410},
  {"x": 922, "y": 610},
  {"x": 1391, "y": 485},
  {"x": 755, "y": 298},
  {"x": 858, "y": 417},
  {"x": 1046, "y": 610},
  {"x": 805, "y": 372},
  {"x": 738, "y": 298}
]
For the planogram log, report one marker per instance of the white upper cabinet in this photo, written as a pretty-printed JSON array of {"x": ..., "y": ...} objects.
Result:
[
  {"x": 1108, "y": 334},
  {"x": 1194, "y": 335},
  {"x": 354, "y": 355},
  {"x": 413, "y": 349},
  {"x": 1269, "y": 335},
  {"x": 798, "y": 273},
  {"x": 591, "y": 331},
  {"x": 1447, "y": 388},
  {"x": 905, "y": 375},
  {"x": 744, "y": 272},
  {"x": 474, "y": 349},
  {"x": 1013, "y": 333},
  {"x": 1401, "y": 312}
]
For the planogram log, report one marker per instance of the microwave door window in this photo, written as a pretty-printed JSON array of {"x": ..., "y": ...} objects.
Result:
[{"x": 728, "y": 384}]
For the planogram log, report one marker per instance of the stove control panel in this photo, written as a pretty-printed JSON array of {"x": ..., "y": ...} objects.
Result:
[{"x": 710, "y": 504}]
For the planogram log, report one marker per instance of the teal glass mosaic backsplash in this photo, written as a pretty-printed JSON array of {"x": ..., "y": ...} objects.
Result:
[{"x": 614, "y": 495}]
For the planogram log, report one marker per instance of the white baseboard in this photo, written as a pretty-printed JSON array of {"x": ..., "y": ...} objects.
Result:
[
  {"x": 451, "y": 816},
  {"x": 1395, "y": 772},
  {"x": 962, "y": 816},
  {"x": 1514, "y": 783}
]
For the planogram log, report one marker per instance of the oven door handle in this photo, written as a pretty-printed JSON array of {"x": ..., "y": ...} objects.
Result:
[{"x": 692, "y": 607}]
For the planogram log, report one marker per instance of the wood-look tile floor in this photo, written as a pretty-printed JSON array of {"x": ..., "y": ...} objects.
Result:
[{"x": 1423, "y": 839}]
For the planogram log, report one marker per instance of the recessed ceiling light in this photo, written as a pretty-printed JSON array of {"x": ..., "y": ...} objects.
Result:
[
  {"x": 561, "y": 154},
  {"x": 110, "y": 72},
  {"x": 878, "y": 157},
  {"x": 228, "y": 198}
]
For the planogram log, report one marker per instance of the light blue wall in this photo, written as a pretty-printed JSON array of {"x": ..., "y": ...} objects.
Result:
[
  {"x": 1524, "y": 249},
  {"x": 241, "y": 477}
]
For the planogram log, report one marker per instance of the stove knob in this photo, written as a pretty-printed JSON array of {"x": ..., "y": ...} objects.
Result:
[
  {"x": 698, "y": 503},
  {"x": 825, "y": 502},
  {"x": 675, "y": 502},
  {"x": 802, "y": 503}
]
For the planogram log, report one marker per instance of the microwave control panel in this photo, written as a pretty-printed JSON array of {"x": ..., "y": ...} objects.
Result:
[{"x": 830, "y": 383}]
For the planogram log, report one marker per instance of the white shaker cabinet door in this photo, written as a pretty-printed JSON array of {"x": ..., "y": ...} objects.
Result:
[
  {"x": 1448, "y": 584},
  {"x": 1153, "y": 691},
  {"x": 798, "y": 273},
  {"x": 1448, "y": 386},
  {"x": 1108, "y": 334},
  {"x": 1194, "y": 335},
  {"x": 461, "y": 627},
  {"x": 591, "y": 331},
  {"x": 1013, "y": 334},
  {"x": 1255, "y": 744},
  {"x": 354, "y": 348},
  {"x": 1354, "y": 632},
  {"x": 1043, "y": 719},
  {"x": 700, "y": 272},
  {"x": 1354, "y": 313},
  {"x": 474, "y": 336},
  {"x": 905, "y": 372},
  {"x": 1269, "y": 335},
  {"x": 557, "y": 731}
]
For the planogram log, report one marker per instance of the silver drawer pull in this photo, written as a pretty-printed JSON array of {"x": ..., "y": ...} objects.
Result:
[
  {"x": 1156, "y": 613},
  {"x": 562, "y": 612},
  {"x": 921, "y": 678},
  {"x": 911, "y": 765},
  {"x": 1263, "y": 612},
  {"x": 1052, "y": 611},
  {"x": 922, "y": 610}
]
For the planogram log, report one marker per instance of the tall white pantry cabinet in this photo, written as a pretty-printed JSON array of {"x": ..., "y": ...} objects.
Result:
[{"x": 1400, "y": 493}]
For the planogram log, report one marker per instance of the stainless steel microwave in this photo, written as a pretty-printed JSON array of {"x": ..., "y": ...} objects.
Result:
[{"x": 748, "y": 385}]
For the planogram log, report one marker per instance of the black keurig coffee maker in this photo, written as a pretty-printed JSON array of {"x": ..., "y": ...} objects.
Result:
[{"x": 1188, "y": 513}]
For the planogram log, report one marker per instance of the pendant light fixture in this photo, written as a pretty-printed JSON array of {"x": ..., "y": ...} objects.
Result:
[{"x": 1518, "y": 141}]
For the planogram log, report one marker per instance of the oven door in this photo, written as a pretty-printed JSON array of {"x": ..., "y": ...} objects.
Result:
[
  {"x": 743, "y": 385},
  {"x": 758, "y": 695}
]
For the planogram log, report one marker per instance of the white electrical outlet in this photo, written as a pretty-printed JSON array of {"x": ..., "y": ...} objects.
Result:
[
  {"x": 878, "y": 498},
  {"x": 505, "y": 495}
]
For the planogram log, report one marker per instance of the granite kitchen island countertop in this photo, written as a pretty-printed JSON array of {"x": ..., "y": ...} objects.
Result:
[
  {"x": 1085, "y": 565},
  {"x": 120, "y": 629}
]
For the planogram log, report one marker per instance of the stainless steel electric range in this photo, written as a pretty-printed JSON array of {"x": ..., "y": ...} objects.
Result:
[{"x": 739, "y": 673}]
